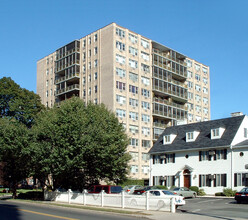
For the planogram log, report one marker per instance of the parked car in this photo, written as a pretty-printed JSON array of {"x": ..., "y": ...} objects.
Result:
[
  {"x": 130, "y": 188},
  {"x": 185, "y": 192},
  {"x": 242, "y": 196},
  {"x": 107, "y": 188},
  {"x": 179, "y": 200},
  {"x": 143, "y": 190}
]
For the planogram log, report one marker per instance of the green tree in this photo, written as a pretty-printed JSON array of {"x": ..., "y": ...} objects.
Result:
[
  {"x": 79, "y": 144},
  {"x": 14, "y": 152},
  {"x": 18, "y": 103}
]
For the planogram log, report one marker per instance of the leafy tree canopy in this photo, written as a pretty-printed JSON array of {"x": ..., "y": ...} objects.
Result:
[
  {"x": 79, "y": 144},
  {"x": 18, "y": 103}
]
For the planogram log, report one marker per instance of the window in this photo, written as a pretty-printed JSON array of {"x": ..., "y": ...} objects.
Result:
[
  {"x": 205, "y": 80},
  {"x": 90, "y": 91},
  {"x": 133, "y": 63},
  {"x": 197, "y": 67},
  {"x": 47, "y": 83},
  {"x": 144, "y": 43},
  {"x": 133, "y": 51},
  {"x": 95, "y": 37},
  {"x": 120, "y": 59},
  {"x": 84, "y": 68},
  {"x": 205, "y": 110},
  {"x": 84, "y": 56},
  {"x": 95, "y": 89},
  {"x": 95, "y": 51},
  {"x": 133, "y": 77},
  {"x": 145, "y": 68},
  {"x": 145, "y": 105},
  {"x": 47, "y": 93},
  {"x": 205, "y": 90},
  {"x": 190, "y": 106},
  {"x": 189, "y": 74},
  {"x": 240, "y": 179},
  {"x": 134, "y": 169},
  {"x": 204, "y": 70},
  {"x": 120, "y": 32},
  {"x": 120, "y": 113},
  {"x": 245, "y": 132},
  {"x": 95, "y": 75},
  {"x": 47, "y": 72},
  {"x": 84, "y": 93},
  {"x": 203, "y": 155},
  {"x": 145, "y": 143},
  {"x": 120, "y": 46},
  {"x": 89, "y": 53},
  {"x": 190, "y": 117},
  {"x": 133, "y": 129},
  {"x": 220, "y": 180},
  {"x": 133, "y": 102},
  {"x": 197, "y": 77},
  {"x": 145, "y": 118},
  {"x": 190, "y": 84},
  {"x": 120, "y": 85},
  {"x": 198, "y": 118},
  {"x": 133, "y": 89},
  {"x": 47, "y": 61},
  {"x": 204, "y": 180},
  {"x": 84, "y": 43},
  {"x": 89, "y": 78},
  {"x": 145, "y": 93},
  {"x": 216, "y": 133},
  {"x": 120, "y": 99},
  {"x": 134, "y": 116},
  {"x": 189, "y": 63},
  {"x": 145, "y": 131},
  {"x": 167, "y": 139},
  {"x": 198, "y": 108},
  {"x": 145, "y": 56},
  {"x": 89, "y": 65},
  {"x": 134, "y": 142},
  {"x": 89, "y": 40},
  {"x": 120, "y": 72},
  {"x": 133, "y": 38},
  {"x": 205, "y": 100},
  {"x": 198, "y": 88},
  {"x": 95, "y": 101},
  {"x": 191, "y": 136},
  {"x": 145, "y": 81},
  {"x": 197, "y": 98},
  {"x": 134, "y": 156},
  {"x": 95, "y": 63},
  {"x": 190, "y": 95},
  {"x": 221, "y": 154},
  {"x": 145, "y": 169},
  {"x": 145, "y": 156}
]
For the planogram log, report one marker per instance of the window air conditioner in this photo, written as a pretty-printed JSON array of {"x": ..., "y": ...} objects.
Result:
[
  {"x": 163, "y": 157},
  {"x": 211, "y": 153},
  {"x": 163, "y": 178}
]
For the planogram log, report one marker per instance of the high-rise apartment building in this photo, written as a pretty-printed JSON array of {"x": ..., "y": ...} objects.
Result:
[{"x": 145, "y": 83}]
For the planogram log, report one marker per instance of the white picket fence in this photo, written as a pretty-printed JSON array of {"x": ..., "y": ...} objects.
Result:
[{"x": 123, "y": 200}]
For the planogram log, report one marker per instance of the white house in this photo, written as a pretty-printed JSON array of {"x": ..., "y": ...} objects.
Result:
[{"x": 212, "y": 155}]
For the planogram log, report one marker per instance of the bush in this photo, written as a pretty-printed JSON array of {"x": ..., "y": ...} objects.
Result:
[
  {"x": 32, "y": 195},
  {"x": 132, "y": 182},
  {"x": 229, "y": 192},
  {"x": 161, "y": 187},
  {"x": 194, "y": 188},
  {"x": 219, "y": 194},
  {"x": 201, "y": 192}
]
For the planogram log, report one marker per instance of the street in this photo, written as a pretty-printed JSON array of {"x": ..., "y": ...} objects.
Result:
[
  {"x": 11, "y": 210},
  {"x": 223, "y": 208}
]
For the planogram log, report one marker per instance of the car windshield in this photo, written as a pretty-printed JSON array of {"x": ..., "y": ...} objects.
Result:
[
  {"x": 167, "y": 192},
  {"x": 244, "y": 190}
]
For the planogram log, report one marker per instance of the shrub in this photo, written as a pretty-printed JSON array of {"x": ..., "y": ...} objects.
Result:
[
  {"x": 132, "y": 182},
  {"x": 201, "y": 192},
  {"x": 32, "y": 195},
  {"x": 194, "y": 188},
  {"x": 219, "y": 194},
  {"x": 161, "y": 187},
  {"x": 229, "y": 192}
]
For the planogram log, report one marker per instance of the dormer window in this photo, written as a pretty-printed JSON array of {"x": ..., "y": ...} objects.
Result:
[
  {"x": 216, "y": 133},
  {"x": 168, "y": 139},
  {"x": 191, "y": 136}
]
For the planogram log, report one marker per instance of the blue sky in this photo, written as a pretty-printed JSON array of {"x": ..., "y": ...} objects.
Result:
[{"x": 213, "y": 32}]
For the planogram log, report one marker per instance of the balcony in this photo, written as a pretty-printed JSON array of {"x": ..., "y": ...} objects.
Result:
[
  {"x": 178, "y": 96},
  {"x": 159, "y": 125},
  {"x": 60, "y": 68},
  {"x": 169, "y": 57},
  {"x": 67, "y": 89},
  {"x": 161, "y": 65},
  {"x": 165, "y": 102},
  {"x": 68, "y": 77}
]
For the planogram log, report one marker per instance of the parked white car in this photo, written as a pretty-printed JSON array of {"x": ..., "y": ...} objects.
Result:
[{"x": 179, "y": 200}]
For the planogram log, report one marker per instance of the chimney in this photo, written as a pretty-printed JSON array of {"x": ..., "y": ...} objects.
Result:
[{"x": 234, "y": 114}]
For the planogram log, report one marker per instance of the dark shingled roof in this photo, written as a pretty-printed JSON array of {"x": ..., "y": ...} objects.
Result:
[{"x": 203, "y": 140}]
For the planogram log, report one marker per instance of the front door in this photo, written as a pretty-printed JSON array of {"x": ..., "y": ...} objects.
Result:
[{"x": 186, "y": 174}]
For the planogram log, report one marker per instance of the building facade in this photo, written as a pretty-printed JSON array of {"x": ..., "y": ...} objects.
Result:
[
  {"x": 142, "y": 81},
  {"x": 212, "y": 155}
]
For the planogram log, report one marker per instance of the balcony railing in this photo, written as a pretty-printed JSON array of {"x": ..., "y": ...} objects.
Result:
[
  {"x": 57, "y": 69},
  {"x": 67, "y": 53},
  {"x": 166, "y": 79},
  {"x": 169, "y": 57},
  {"x": 67, "y": 89},
  {"x": 159, "y": 125},
  {"x": 162, "y": 101},
  {"x": 173, "y": 93},
  {"x": 70, "y": 76},
  {"x": 169, "y": 68},
  {"x": 166, "y": 114}
]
